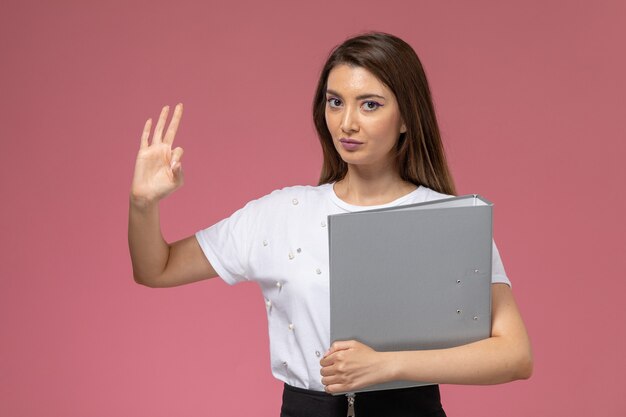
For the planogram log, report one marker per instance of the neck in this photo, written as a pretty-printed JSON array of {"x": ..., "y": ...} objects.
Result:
[{"x": 365, "y": 187}]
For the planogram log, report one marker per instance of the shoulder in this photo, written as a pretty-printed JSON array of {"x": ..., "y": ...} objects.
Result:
[
  {"x": 428, "y": 194},
  {"x": 434, "y": 195}
]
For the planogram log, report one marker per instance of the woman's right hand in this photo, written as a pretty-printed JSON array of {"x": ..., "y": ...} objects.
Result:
[{"x": 158, "y": 170}]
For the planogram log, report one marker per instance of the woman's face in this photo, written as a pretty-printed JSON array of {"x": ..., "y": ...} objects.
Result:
[{"x": 362, "y": 115}]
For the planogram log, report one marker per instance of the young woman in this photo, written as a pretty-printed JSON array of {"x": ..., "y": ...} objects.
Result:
[{"x": 376, "y": 123}]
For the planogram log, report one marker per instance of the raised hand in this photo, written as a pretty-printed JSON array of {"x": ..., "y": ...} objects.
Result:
[{"x": 158, "y": 170}]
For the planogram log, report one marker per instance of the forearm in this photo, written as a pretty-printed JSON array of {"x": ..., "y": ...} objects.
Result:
[
  {"x": 149, "y": 252},
  {"x": 503, "y": 357},
  {"x": 489, "y": 361}
]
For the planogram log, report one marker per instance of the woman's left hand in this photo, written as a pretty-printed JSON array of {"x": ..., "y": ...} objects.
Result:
[{"x": 350, "y": 365}]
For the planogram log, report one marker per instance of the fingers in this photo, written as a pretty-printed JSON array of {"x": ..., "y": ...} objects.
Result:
[
  {"x": 336, "y": 388},
  {"x": 331, "y": 375},
  {"x": 328, "y": 370},
  {"x": 177, "y": 168},
  {"x": 340, "y": 345},
  {"x": 332, "y": 358},
  {"x": 177, "y": 155},
  {"x": 336, "y": 383},
  {"x": 332, "y": 354},
  {"x": 177, "y": 172},
  {"x": 334, "y": 378},
  {"x": 173, "y": 127},
  {"x": 146, "y": 133},
  {"x": 158, "y": 131}
]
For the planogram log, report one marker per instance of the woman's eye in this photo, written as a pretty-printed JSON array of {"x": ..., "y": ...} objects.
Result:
[
  {"x": 371, "y": 105},
  {"x": 334, "y": 102}
]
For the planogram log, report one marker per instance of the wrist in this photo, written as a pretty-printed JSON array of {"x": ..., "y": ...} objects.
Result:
[
  {"x": 142, "y": 202},
  {"x": 391, "y": 365}
]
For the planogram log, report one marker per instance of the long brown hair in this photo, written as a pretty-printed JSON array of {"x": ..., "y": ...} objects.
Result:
[{"x": 420, "y": 154}]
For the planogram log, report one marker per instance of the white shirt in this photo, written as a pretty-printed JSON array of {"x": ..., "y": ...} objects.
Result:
[{"x": 280, "y": 241}]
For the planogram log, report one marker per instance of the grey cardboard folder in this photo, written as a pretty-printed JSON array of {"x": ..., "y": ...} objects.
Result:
[{"x": 412, "y": 277}]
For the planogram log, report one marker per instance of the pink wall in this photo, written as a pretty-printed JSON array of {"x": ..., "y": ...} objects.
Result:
[{"x": 531, "y": 104}]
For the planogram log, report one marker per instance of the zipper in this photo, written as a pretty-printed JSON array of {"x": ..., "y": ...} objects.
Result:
[{"x": 351, "y": 399}]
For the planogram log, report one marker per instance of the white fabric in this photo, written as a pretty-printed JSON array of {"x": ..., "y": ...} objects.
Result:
[{"x": 280, "y": 241}]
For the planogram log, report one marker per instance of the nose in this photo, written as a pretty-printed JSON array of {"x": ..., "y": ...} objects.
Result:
[{"x": 349, "y": 121}]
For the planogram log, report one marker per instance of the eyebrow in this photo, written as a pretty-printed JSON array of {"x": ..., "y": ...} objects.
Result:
[{"x": 360, "y": 97}]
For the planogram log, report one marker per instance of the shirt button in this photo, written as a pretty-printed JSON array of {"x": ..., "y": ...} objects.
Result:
[
  {"x": 279, "y": 284},
  {"x": 285, "y": 364},
  {"x": 318, "y": 271},
  {"x": 291, "y": 326},
  {"x": 268, "y": 303},
  {"x": 294, "y": 201},
  {"x": 323, "y": 223},
  {"x": 290, "y": 255},
  {"x": 317, "y": 353},
  {"x": 298, "y": 250},
  {"x": 265, "y": 243}
]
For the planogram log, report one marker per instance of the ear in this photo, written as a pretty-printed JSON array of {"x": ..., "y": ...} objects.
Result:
[{"x": 403, "y": 128}]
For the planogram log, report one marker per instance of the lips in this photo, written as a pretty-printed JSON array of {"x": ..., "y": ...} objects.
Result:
[
  {"x": 348, "y": 140},
  {"x": 350, "y": 144}
]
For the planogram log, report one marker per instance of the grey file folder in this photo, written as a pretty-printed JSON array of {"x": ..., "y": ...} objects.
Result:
[{"x": 412, "y": 277}]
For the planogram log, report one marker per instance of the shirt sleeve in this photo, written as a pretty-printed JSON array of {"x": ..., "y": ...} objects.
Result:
[
  {"x": 226, "y": 244},
  {"x": 498, "y": 275}
]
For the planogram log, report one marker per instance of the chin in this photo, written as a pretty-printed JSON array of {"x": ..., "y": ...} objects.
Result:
[
  {"x": 354, "y": 161},
  {"x": 361, "y": 159},
  {"x": 350, "y": 158}
]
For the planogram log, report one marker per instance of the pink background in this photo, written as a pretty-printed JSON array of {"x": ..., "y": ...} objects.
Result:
[{"x": 531, "y": 102}]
